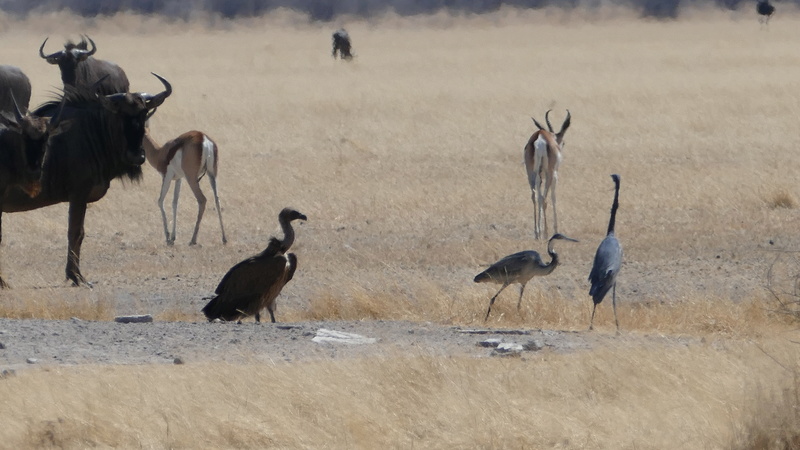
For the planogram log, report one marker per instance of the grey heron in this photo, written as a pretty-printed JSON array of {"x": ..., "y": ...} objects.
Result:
[
  {"x": 607, "y": 262},
  {"x": 520, "y": 268}
]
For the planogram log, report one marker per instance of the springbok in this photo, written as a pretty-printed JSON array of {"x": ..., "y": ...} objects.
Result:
[
  {"x": 190, "y": 155},
  {"x": 542, "y": 158}
]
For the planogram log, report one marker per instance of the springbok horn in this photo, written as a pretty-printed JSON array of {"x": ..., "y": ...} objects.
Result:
[
  {"x": 53, "y": 58},
  {"x": 538, "y": 125},
  {"x": 547, "y": 119},
  {"x": 154, "y": 101},
  {"x": 565, "y": 125}
]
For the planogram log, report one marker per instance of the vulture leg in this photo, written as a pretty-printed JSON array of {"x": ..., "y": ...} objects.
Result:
[{"x": 3, "y": 283}]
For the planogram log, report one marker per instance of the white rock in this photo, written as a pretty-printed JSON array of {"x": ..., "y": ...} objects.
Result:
[
  {"x": 508, "y": 349},
  {"x": 491, "y": 342},
  {"x": 340, "y": 337}
]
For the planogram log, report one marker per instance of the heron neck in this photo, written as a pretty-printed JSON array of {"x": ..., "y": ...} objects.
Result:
[
  {"x": 614, "y": 207},
  {"x": 553, "y": 257}
]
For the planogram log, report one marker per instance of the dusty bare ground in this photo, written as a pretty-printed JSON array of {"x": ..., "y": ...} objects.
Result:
[{"x": 91, "y": 342}]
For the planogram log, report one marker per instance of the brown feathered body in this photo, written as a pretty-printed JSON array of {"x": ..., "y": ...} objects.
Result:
[{"x": 255, "y": 283}]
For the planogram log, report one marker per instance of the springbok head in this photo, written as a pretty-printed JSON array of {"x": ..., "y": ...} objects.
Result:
[{"x": 560, "y": 135}]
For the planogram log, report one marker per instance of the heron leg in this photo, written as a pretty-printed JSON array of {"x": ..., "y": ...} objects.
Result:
[
  {"x": 614, "y": 304},
  {"x": 491, "y": 302},
  {"x": 521, "y": 291},
  {"x": 591, "y": 322}
]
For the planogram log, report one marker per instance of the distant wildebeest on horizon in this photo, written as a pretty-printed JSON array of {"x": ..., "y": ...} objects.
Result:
[
  {"x": 14, "y": 81},
  {"x": 80, "y": 69},
  {"x": 191, "y": 155},
  {"x": 765, "y": 10},
  {"x": 101, "y": 140},
  {"x": 342, "y": 45}
]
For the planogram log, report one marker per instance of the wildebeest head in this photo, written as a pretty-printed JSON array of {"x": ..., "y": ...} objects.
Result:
[
  {"x": 68, "y": 59},
  {"x": 32, "y": 133},
  {"x": 135, "y": 108}
]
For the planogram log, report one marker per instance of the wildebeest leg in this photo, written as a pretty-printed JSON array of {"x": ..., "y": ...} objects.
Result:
[
  {"x": 271, "y": 309},
  {"x": 75, "y": 233},
  {"x": 194, "y": 185},
  {"x": 258, "y": 317},
  {"x": 3, "y": 283}
]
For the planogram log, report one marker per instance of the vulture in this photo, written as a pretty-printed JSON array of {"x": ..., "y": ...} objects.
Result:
[{"x": 254, "y": 284}]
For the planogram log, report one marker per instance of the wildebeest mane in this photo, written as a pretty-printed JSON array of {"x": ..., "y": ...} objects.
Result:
[{"x": 87, "y": 124}]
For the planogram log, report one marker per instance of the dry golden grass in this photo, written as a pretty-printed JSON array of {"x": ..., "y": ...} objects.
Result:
[
  {"x": 700, "y": 396},
  {"x": 408, "y": 163}
]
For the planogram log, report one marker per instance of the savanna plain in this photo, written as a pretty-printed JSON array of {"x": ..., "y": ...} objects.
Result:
[{"x": 408, "y": 163}]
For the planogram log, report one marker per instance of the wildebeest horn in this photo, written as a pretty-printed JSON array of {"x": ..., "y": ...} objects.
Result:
[
  {"x": 53, "y": 58},
  {"x": 547, "y": 119},
  {"x": 17, "y": 112},
  {"x": 56, "y": 119},
  {"x": 154, "y": 101},
  {"x": 88, "y": 53}
]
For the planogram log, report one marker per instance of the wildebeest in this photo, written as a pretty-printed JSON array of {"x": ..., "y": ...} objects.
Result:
[
  {"x": 341, "y": 44},
  {"x": 101, "y": 140},
  {"x": 765, "y": 10},
  {"x": 14, "y": 81},
  {"x": 22, "y": 148},
  {"x": 80, "y": 69},
  {"x": 254, "y": 284}
]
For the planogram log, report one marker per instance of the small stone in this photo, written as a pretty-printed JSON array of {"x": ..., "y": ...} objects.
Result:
[
  {"x": 32, "y": 360},
  {"x": 532, "y": 346},
  {"x": 141, "y": 318},
  {"x": 178, "y": 361},
  {"x": 2, "y": 346},
  {"x": 7, "y": 373},
  {"x": 508, "y": 349},
  {"x": 491, "y": 342}
]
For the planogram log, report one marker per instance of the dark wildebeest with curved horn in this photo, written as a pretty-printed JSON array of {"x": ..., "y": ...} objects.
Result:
[
  {"x": 341, "y": 44},
  {"x": 22, "y": 148},
  {"x": 14, "y": 82},
  {"x": 80, "y": 69},
  {"x": 101, "y": 140},
  {"x": 254, "y": 284}
]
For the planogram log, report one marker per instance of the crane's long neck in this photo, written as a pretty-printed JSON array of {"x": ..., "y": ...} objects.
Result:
[
  {"x": 288, "y": 233},
  {"x": 614, "y": 207}
]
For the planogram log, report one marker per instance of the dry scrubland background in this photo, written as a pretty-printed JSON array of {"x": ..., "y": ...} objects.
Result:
[{"x": 408, "y": 163}]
